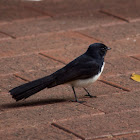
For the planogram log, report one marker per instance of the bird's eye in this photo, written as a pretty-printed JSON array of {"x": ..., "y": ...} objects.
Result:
[{"x": 103, "y": 48}]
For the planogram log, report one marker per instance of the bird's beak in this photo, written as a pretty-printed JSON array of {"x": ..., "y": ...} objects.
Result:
[{"x": 108, "y": 48}]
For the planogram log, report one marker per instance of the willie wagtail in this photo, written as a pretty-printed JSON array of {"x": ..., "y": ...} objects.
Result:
[{"x": 80, "y": 72}]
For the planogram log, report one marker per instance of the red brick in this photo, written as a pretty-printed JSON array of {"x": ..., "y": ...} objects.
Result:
[
  {"x": 116, "y": 3},
  {"x": 129, "y": 12},
  {"x": 137, "y": 57},
  {"x": 115, "y": 102},
  {"x": 17, "y": 13},
  {"x": 125, "y": 81},
  {"x": 129, "y": 136},
  {"x": 133, "y": 136},
  {"x": 8, "y": 3},
  {"x": 3, "y": 36},
  {"x": 114, "y": 52},
  {"x": 25, "y": 63},
  {"x": 63, "y": 7},
  {"x": 47, "y": 25},
  {"x": 8, "y": 82},
  {"x": 114, "y": 32},
  {"x": 32, "y": 132},
  {"x": 32, "y": 75},
  {"x": 100, "y": 89},
  {"x": 115, "y": 85},
  {"x": 66, "y": 55},
  {"x": 103, "y": 125},
  {"x": 121, "y": 65},
  {"x": 44, "y": 42},
  {"x": 36, "y": 113},
  {"x": 127, "y": 46},
  {"x": 2, "y": 89}
]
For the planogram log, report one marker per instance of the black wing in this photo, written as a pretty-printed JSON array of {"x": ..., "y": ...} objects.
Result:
[{"x": 81, "y": 68}]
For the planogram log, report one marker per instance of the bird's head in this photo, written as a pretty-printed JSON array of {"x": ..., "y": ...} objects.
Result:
[{"x": 97, "y": 50}]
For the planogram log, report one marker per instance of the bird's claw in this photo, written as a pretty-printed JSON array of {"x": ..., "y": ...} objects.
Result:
[{"x": 91, "y": 96}]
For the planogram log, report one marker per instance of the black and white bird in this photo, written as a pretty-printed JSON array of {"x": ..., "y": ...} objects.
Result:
[{"x": 81, "y": 72}]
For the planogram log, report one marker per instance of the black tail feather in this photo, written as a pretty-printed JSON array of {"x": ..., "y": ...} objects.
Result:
[
  {"x": 26, "y": 90},
  {"x": 28, "y": 93}
]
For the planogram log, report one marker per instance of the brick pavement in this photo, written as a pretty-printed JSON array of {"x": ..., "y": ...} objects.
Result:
[{"x": 33, "y": 38}]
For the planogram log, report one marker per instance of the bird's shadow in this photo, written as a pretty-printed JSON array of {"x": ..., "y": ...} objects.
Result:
[{"x": 31, "y": 103}]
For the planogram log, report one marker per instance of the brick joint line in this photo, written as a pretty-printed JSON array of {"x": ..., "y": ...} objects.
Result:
[
  {"x": 8, "y": 34},
  {"x": 36, "y": 10},
  {"x": 22, "y": 78},
  {"x": 67, "y": 130},
  {"x": 85, "y": 35},
  {"x": 101, "y": 111},
  {"x": 126, "y": 133},
  {"x": 114, "y": 85},
  {"x": 116, "y": 16},
  {"x": 44, "y": 55},
  {"x": 135, "y": 58},
  {"x": 118, "y": 135}
]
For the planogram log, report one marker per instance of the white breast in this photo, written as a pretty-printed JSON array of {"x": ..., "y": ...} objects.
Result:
[{"x": 86, "y": 82}]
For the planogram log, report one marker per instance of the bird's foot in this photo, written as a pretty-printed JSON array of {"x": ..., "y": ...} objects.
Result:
[
  {"x": 88, "y": 94},
  {"x": 91, "y": 96}
]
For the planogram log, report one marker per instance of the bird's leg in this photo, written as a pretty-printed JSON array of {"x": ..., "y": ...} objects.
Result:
[
  {"x": 76, "y": 99},
  {"x": 88, "y": 94}
]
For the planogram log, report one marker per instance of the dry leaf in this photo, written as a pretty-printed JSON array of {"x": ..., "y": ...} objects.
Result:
[{"x": 135, "y": 77}]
